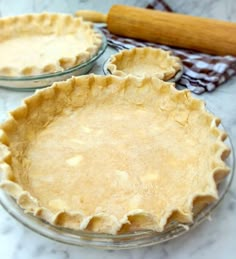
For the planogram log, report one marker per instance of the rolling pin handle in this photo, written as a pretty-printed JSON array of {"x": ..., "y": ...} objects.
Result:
[{"x": 92, "y": 16}]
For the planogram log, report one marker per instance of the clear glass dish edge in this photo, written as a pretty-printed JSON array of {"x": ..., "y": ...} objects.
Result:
[
  {"x": 115, "y": 242},
  {"x": 46, "y": 79}
]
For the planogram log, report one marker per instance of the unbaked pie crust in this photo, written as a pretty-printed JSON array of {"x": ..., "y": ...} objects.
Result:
[
  {"x": 112, "y": 155},
  {"x": 143, "y": 62},
  {"x": 35, "y": 44}
]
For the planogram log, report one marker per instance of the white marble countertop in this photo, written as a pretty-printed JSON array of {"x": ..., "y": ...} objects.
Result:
[{"x": 212, "y": 239}]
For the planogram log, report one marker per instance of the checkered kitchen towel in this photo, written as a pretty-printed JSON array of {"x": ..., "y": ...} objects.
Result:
[{"x": 202, "y": 72}]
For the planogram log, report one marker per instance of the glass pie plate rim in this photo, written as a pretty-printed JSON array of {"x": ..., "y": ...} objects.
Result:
[
  {"x": 137, "y": 239},
  {"x": 44, "y": 80}
]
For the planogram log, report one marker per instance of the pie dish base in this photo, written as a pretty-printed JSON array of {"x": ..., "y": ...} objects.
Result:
[
  {"x": 176, "y": 77},
  {"x": 76, "y": 209},
  {"x": 29, "y": 83},
  {"x": 145, "y": 61},
  {"x": 122, "y": 241}
]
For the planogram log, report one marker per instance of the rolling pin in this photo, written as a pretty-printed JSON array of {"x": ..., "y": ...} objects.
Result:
[{"x": 178, "y": 30}]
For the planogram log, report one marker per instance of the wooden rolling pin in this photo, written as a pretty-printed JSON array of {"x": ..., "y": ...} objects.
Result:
[{"x": 178, "y": 30}]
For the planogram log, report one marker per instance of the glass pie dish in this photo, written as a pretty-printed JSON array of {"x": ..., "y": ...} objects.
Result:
[
  {"x": 24, "y": 83},
  {"x": 122, "y": 241},
  {"x": 145, "y": 62},
  {"x": 175, "y": 78}
]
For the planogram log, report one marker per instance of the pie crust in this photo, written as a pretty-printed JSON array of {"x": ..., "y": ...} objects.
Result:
[
  {"x": 35, "y": 44},
  {"x": 143, "y": 62},
  {"x": 112, "y": 155}
]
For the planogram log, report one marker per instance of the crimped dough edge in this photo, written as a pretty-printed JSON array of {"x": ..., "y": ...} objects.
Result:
[
  {"x": 101, "y": 222},
  {"x": 47, "y": 23},
  {"x": 170, "y": 64}
]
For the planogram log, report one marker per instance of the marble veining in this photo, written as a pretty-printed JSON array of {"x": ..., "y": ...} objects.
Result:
[{"x": 214, "y": 238}]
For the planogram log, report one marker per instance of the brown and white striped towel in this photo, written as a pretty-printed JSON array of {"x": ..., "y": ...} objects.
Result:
[{"x": 202, "y": 72}]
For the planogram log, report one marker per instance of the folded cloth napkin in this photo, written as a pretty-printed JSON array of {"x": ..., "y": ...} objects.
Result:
[{"x": 202, "y": 72}]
